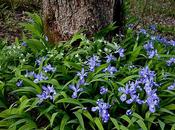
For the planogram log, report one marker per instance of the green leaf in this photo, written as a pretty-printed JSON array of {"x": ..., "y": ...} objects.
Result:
[
  {"x": 53, "y": 118},
  {"x": 80, "y": 118},
  {"x": 64, "y": 122},
  {"x": 122, "y": 127},
  {"x": 53, "y": 82},
  {"x": 28, "y": 90},
  {"x": 102, "y": 33},
  {"x": 126, "y": 118},
  {"x": 37, "y": 88},
  {"x": 173, "y": 127},
  {"x": 142, "y": 124},
  {"x": 125, "y": 80},
  {"x": 69, "y": 100},
  {"x": 137, "y": 116},
  {"x": 35, "y": 45},
  {"x": 162, "y": 124},
  {"x": 99, "y": 124},
  {"x": 114, "y": 121},
  {"x": 88, "y": 115}
]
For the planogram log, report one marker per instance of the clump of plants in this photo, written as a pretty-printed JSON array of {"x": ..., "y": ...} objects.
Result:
[{"x": 125, "y": 84}]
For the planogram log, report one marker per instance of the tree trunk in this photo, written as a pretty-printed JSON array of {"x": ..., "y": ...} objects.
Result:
[{"x": 63, "y": 18}]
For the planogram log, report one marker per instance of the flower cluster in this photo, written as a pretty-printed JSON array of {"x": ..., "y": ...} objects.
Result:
[
  {"x": 144, "y": 84},
  {"x": 49, "y": 68},
  {"x": 102, "y": 109},
  {"x": 93, "y": 62},
  {"x": 110, "y": 58},
  {"x": 171, "y": 87},
  {"x": 19, "y": 83},
  {"x": 170, "y": 61},
  {"x": 103, "y": 90},
  {"x": 120, "y": 52},
  {"x": 39, "y": 77},
  {"x": 76, "y": 89},
  {"x": 47, "y": 93},
  {"x": 82, "y": 75},
  {"x": 165, "y": 41},
  {"x": 151, "y": 52},
  {"x": 110, "y": 69}
]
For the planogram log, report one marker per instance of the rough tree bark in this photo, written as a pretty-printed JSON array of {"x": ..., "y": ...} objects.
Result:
[{"x": 63, "y": 18}]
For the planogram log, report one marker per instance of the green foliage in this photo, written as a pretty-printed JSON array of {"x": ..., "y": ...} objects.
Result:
[{"x": 21, "y": 106}]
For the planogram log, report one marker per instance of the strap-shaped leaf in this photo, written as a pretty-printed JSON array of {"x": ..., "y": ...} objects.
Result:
[{"x": 64, "y": 122}]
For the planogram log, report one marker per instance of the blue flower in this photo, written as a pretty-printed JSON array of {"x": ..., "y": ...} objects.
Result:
[
  {"x": 76, "y": 89},
  {"x": 149, "y": 46},
  {"x": 103, "y": 90},
  {"x": 102, "y": 109},
  {"x": 123, "y": 97},
  {"x": 29, "y": 73},
  {"x": 82, "y": 75},
  {"x": 24, "y": 44},
  {"x": 172, "y": 42},
  {"x": 171, "y": 87},
  {"x": 152, "y": 100},
  {"x": 145, "y": 84},
  {"x": 110, "y": 58},
  {"x": 39, "y": 77},
  {"x": 129, "y": 112},
  {"x": 151, "y": 52},
  {"x": 121, "y": 52},
  {"x": 110, "y": 69},
  {"x": 19, "y": 83},
  {"x": 170, "y": 61},
  {"x": 49, "y": 68},
  {"x": 39, "y": 60},
  {"x": 93, "y": 62},
  {"x": 153, "y": 27},
  {"x": 143, "y": 31},
  {"x": 47, "y": 93}
]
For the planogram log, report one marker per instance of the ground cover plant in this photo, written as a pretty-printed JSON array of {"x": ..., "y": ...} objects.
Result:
[{"x": 125, "y": 84}]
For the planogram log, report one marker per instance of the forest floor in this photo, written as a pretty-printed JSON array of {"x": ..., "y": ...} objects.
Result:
[{"x": 161, "y": 15}]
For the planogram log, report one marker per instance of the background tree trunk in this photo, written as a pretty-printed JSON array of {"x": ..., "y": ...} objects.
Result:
[{"x": 63, "y": 18}]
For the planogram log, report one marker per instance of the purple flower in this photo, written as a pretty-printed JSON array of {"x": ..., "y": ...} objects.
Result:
[
  {"x": 110, "y": 58},
  {"x": 49, "y": 68},
  {"x": 129, "y": 112},
  {"x": 152, "y": 101},
  {"x": 47, "y": 93},
  {"x": 103, "y": 90},
  {"x": 19, "y": 83},
  {"x": 24, "y": 44},
  {"x": 149, "y": 46},
  {"x": 29, "y": 73},
  {"x": 110, "y": 69},
  {"x": 39, "y": 60},
  {"x": 102, "y": 109},
  {"x": 75, "y": 90},
  {"x": 81, "y": 75},
  {"x": 170, "y": 61},
  {"x": 145, "y": 84},
  {"x": 172, "y": 42},
  {"x": 143, "y": 31},
  {"x": 171, "y": 87},
  {"x": 153, "y": 27},
  {"x": 152, "y": 53},
  {"x": 93, "y": 62},
  {"x": 123, "y": 97},
  {"x": 39, "y": 77},
  {"x": 121, "y": 52}
]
